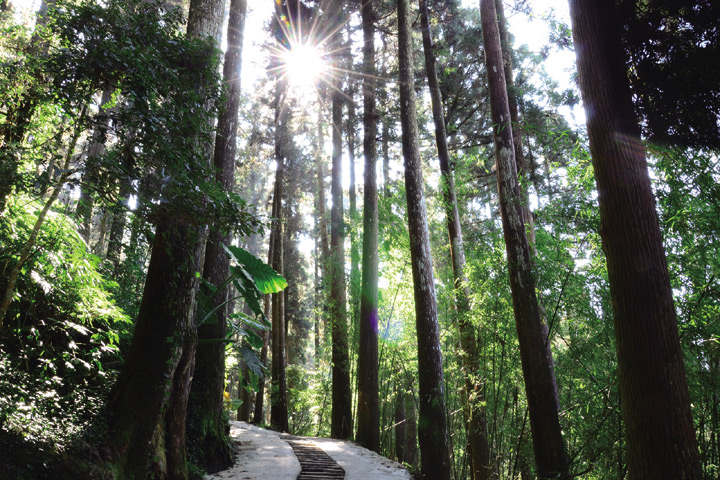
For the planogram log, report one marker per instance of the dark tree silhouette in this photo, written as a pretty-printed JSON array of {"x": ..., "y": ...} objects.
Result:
[{"x": 654, "y": 396}]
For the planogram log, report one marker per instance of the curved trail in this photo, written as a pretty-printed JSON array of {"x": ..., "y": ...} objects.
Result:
[{"x": 264, "y": 454}]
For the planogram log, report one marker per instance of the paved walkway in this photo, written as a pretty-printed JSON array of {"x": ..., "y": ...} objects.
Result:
[{"x": 262, "y": 454}]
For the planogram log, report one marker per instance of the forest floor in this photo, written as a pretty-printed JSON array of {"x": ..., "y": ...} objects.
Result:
[{"x": 263, "y": 454}]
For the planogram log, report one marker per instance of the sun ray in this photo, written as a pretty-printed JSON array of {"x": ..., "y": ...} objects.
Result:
[{"x": 305, "y": 53}]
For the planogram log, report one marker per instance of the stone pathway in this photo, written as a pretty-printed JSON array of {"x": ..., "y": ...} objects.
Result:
[{"x": 263, "y": 454}]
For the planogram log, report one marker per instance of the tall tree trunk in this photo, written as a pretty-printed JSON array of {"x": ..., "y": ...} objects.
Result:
[
  {"x": 474, "y": 410},
  {"x": 400, "y": 427},
  {"x": 355, "y": 274},
  {"x": 278, "y": 390},
  {"x": 84, "y": 209},
  {"x": 117, "y": 229},
  {"x": 243, "y": 412},
  {"x": 341, "y": 421},
  {"x": 322, "y": 215},
  {"x": 368, "y": 428},
  {"x": 660, "y": 438},
  {"x": 154, "y": 382},
  {"x": 433, "y": 431},
  {"x": 259, "y": 398},
  {"x": 411, "y": 453},
  {"x": 164, "y": 330},
  {"x": 536, "y": 358},
  {"x": 207, "y": 425},
  {"x": 385, "y": 136},
  {"x": 520, "y": 162},
  {"x": 317, "y": 296}
]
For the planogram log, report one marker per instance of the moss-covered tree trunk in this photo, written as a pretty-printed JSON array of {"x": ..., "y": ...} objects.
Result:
[
  {"x": 164, "y": 331},
  {"x": 432, "y": 424},
  {"x": 152, "y": 391},
  {"x": 207, "y": 426}
]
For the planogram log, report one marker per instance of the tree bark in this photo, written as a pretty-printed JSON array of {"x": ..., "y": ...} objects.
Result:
[
  {"x": 278, "y": 390},
  {"x": 400, "y": 427},
  {"x": 243, "y": 412},
  {"x": 385, "y": 136},
  {"x": 154, "y": 382},
  {"x": 660, "y": 438},
  {"x": 86, "y": 202},
  {"x": 164, "y": 330},
  {"x": 474, "y": 411},
  {"x": 536, "y": 358},
  {"x": 368, "y": 419},
  {"x": 259, "y": 398},
  {"x": 522, "y": 167},
  {"x": 433, "y": 431},
  {"x": 341, "y": 418},
  {"x": 355, "y": 275},
  {"x": 207, "y": 425},
  {"x": 117, "y": 229},
  {"x": 322, "y": 215}
]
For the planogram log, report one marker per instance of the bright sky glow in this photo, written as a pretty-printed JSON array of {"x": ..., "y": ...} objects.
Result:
[{"x": 304, "y": 65}]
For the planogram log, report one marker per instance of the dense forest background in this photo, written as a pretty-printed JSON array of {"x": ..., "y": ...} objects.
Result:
[{"x": 407, "y": 239}]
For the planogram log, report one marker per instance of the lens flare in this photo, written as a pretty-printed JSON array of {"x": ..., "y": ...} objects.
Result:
[{"x": 304, "y": 65}]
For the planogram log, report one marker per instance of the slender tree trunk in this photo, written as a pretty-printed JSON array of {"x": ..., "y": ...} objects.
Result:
[
  {"x": 368, "y": 428},
  {"x": 400, "y": 427},
  {"x": 341, "y": 421},
  {"x": 355, "y": 274},
  {"x": 259, "y": 398},
  {"x": 660, "y": 438},
  {"x": 433, "y": 432},
  {"x": 317, "y": 296},
  {"x": 117, "y": 229},
  {"x": 84, "y": 209},
  {"x": 411, "y": 453},
  {"x": 322, "y": 215},
  {"x": 207, "y": 425},
  {"x": 243, "y": 413},
  {"x": 278, "y": 390},
  {"x": 536, "y": 358},
  {"x": 385, "y": 136},
  {"x": 153, "y": 388},
  {"x": 522, "y": 167},
  {"x": 475, "y": 412}
]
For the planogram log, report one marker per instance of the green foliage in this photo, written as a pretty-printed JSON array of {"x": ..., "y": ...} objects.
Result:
[
  {"x": 62, "y": 339},
  {"x": 265, "y": 278},
  {"x": 61, "y": 278},
  {"x": 672, "y": 48}
]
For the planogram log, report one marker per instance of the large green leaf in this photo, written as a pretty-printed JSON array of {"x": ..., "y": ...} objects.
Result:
[
  {"x": 266, "y": 279},
  {"x": 247, "y": 288},
  {"x": 252, "y": 360}
]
